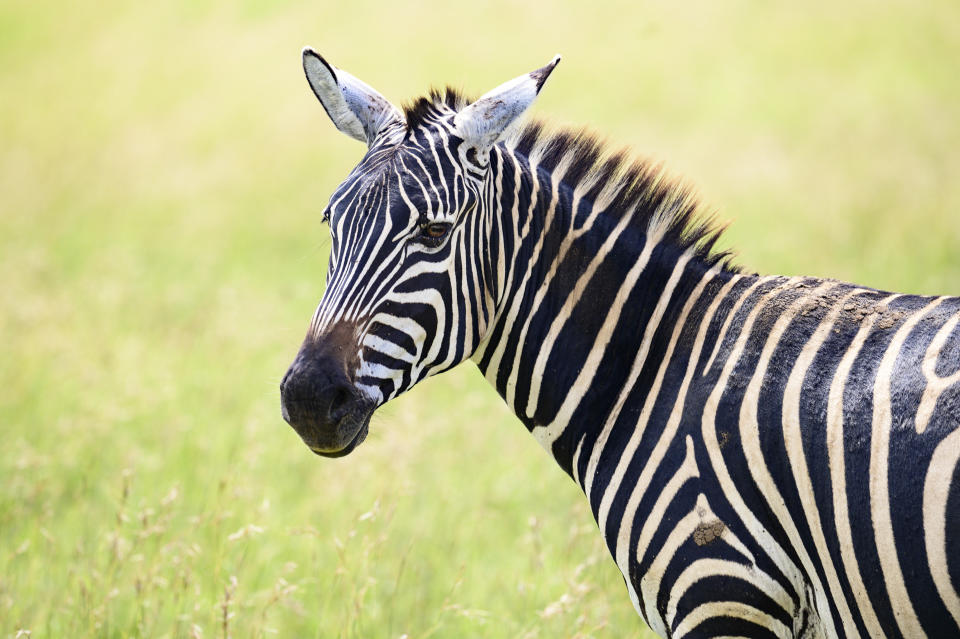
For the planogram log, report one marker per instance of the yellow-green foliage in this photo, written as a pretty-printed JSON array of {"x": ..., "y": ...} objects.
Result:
[{"x": 162, "y": 170}]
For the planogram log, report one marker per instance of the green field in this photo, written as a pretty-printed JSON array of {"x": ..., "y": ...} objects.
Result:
[{"x": 163, "y": 167}]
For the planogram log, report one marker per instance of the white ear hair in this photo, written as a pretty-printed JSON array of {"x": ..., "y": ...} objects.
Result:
[
  {"x": 483, "y": 123},
  {"x": 355, "y": 108}
]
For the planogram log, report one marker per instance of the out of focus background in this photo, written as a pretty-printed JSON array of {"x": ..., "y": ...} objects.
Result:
[{"x": 163, "y": 166}]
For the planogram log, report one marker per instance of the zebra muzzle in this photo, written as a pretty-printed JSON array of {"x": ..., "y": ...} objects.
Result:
[{"x": 322, "y": 404}]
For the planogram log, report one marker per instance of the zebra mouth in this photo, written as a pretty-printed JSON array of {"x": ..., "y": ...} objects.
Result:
[{"x": 355, "y": 441}]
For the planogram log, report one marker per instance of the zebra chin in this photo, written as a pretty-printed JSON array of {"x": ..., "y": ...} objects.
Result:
[
  {"x": 355, "y": 441},
  {"x": 329, "y": 438}
]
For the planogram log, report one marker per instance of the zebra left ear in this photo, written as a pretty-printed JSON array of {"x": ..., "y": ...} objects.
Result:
[
  {"x": 354, "y": 107},
  {"x": 485, "y": 121}
]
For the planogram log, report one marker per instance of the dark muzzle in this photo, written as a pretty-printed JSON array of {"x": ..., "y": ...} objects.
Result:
[{"x": 321, "y": 402}]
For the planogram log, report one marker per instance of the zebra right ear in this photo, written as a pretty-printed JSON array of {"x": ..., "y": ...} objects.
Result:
[
  {"x": 355, "y": 108},
  {"x": 486, "y": 121}
]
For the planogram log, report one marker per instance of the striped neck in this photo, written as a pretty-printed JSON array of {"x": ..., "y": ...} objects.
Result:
[{"x": 591, "y": 281}]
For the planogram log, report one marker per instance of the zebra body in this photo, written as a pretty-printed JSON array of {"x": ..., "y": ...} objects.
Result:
[{"x": 765, "y": 456}]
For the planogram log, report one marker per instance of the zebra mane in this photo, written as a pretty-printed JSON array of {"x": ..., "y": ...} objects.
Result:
[
  {"x": 432, "y": 106},
  {"x": 639, "y": 187}
]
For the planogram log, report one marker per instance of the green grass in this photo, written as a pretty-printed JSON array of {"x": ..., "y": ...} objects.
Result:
[{"x": 162, "y": 171}]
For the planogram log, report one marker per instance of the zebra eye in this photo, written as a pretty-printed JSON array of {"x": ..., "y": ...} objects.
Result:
[{"x": 434, "y": 230}]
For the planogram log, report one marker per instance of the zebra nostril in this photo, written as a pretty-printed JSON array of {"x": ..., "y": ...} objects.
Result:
[{"x": 339, "y": 400}]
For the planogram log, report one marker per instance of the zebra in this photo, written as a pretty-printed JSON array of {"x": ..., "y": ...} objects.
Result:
[{"x": 765, "y": 456}]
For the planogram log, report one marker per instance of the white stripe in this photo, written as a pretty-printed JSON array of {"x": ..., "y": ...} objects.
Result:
[
  {"x": 749, "y": 427},
  {"x": 936, "y": 385},
  {"x": 555, "y": 176},
  {"x": 880, "y": 476},
  {"x": 793, "y": 441},
  {"x": 709, "y": 432},
  {"x": 711, "y": 567},
  {"x": 651, "y": 581},
  {"x": 546, "y": 435},
  {"x": 653, "y": 522},
  {"x": 629, "y": 450},
  {"x": 735, "y": 609},
  {"x": 513, "y": 311},
  {"x": 838, "y": 476},
  {"x": 936, "y": 489}
]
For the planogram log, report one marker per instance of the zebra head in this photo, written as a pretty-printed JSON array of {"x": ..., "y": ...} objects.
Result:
[{"x": 412, "y": 281}]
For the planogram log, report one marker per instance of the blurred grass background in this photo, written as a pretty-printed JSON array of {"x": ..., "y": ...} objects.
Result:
[{"x": 162, "y": 171}]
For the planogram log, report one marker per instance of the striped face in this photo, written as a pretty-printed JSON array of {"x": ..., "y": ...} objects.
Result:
[
  {"x": 402, "y": 295},
  {"x": 400, "y": 271},
  {"x": 410, "y": 289}
]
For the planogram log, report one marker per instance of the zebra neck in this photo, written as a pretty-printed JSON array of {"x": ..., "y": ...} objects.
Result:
[{"x": 588, "y": 298}]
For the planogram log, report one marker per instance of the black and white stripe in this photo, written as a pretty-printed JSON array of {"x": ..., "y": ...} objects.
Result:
[{"x": 765, "y": 456}]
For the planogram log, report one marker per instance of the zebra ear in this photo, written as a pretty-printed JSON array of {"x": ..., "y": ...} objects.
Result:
[
  {"x": 355, "y": 108},
  {"x": 484, "y": 122}
]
